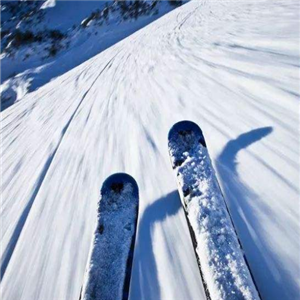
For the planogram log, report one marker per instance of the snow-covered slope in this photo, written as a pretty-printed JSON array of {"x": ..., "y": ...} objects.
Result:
[
  {"x": 43, "y": 40},
  {"x": 230, "y": 66}
]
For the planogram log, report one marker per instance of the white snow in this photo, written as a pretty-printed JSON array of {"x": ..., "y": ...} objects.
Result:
[
  {"x": 48, "y": 4},
  {"x": 31, "y": 67},
  {"x": 230, "y": 66}
]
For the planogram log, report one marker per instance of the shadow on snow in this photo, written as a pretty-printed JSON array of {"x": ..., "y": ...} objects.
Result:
[
  {"x": 266, "y": 267},
  {"x": 269, "y": 272},
  {"x": 146, "y": 284}
]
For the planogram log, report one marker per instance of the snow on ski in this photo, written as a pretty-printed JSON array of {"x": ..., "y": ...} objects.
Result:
[
  {"x": 222, "y": 265},
  {"x": 110, "y": 263}
]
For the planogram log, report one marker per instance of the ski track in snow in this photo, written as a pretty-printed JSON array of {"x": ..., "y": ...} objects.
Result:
[{"x": 231, "y": 67}]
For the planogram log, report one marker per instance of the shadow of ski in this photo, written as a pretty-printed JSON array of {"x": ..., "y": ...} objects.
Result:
[
  {"x": 265, "y": 265},
  {"x": 147, "y": 284}
]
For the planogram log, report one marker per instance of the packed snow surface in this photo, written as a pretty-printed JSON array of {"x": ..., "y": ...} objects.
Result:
[
  {"x": 26, "y": 68},
  {"x": 230, "y": 66},
  {"x": 223, "y": 268},
  {"x": 113, "y": 237}
]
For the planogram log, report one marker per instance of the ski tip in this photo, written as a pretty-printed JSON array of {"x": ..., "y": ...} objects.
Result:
[
  {"x": 183, "y": 136},
  {"x": 117, "y": 182},
  {"x": 185, "y": 127}
]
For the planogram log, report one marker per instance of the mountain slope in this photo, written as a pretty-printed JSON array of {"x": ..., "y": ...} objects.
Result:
[
  {"x": 44, "y": 39},
  {"x": 232, "y": 67}
]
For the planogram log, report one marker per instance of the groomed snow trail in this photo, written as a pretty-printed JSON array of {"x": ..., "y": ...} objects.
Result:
[{"x": 230, "y": 66}]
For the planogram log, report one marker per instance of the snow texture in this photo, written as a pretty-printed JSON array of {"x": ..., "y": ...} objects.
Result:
[
  {"x": 112, "y": 247},
  {"x": 231, "y": 66},
  {"x": 222, "y": 263},
  {"x": 30, "y": 67}
]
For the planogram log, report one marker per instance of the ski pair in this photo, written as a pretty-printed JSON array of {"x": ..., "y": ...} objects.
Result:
[{"x": 223, "y": 267}]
